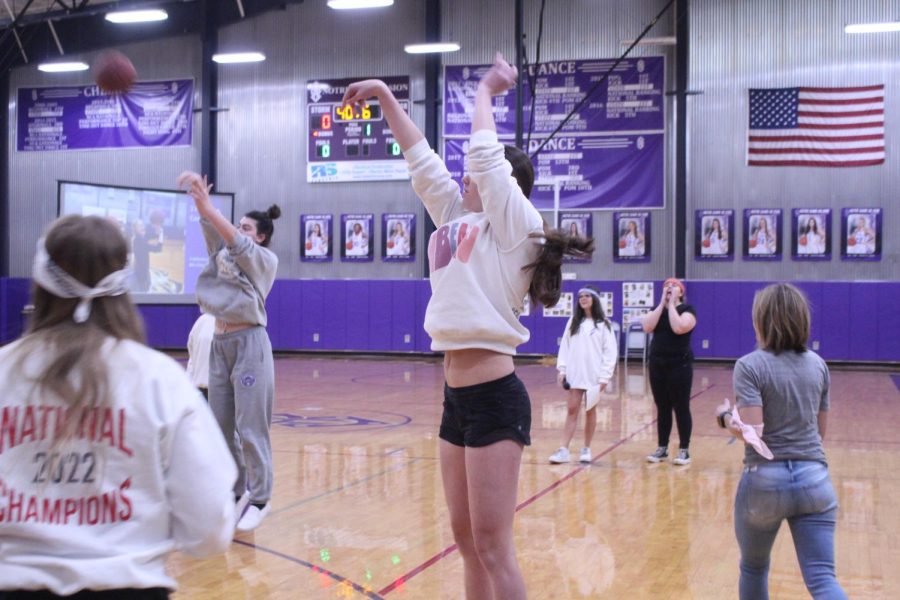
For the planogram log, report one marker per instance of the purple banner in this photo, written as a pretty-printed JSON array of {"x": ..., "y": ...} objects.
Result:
[
  {"x": 762, "y": 234},
  {"x": 622, "y": 171},
  {"x": 356, "y": 237},
  {"x": 714, "y": 235},
  {"x": 351, "y": 143},
  {"x": 631, "y": 236},
  {"x": 631, "y": 99},
  {"x": 861, "y": 234},
  {"x": 580, "y": 224},
  {"x": 152, "y": 114},
  {"x": 315, "y": 231},
  {"x": 812, "y": 234},
  {"x": 398, "y": 237}
]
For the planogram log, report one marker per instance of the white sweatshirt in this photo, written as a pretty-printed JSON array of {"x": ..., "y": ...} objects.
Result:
[
  {"x": 477, "y": 282},
  {"x": 588, "y": 357},
  {"x": 199, "y": 346},
  {"x": 147, "y": 475}
]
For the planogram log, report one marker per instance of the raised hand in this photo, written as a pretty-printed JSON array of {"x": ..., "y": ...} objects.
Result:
[
  {"x": 357, "y": 93},
  {"x": 198, "y": 187},
  {"x": 500, "y": 77}
]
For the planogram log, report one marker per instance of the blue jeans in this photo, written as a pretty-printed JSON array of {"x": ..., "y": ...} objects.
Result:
[{"x": 801, "y": 492}]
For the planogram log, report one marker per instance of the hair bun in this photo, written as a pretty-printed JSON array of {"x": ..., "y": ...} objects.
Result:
[{"x": 274, "y": 212}]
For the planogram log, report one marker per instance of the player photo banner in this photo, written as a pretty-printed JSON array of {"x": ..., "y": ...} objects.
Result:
[
  {"x": 398, "y": 237},
  {"x": 356, "y": 237},
  {"x": 315, "y": 236},
  {"x": 812, "y": 234},
  {"x": 762, "y": 234},
  {"x": 861, "y": 234},
  {"x": 631, "y": 236},
  {"x": 714, "y": 235},
  {"x": 579, "y": 224}
]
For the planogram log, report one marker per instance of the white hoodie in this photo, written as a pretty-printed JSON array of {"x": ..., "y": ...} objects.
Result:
[
  {"x": 477, "y": 282},
  {"x": 147, "y": 475}
]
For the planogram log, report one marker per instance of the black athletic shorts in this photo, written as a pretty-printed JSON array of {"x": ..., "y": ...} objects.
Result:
[{"x": 479, "y": 415}]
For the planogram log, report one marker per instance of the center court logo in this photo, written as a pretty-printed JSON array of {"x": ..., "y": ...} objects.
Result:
[{"x": 357, "y": 420}]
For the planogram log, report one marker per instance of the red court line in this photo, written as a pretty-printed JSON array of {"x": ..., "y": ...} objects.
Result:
[{"x": 450, "y": 549}]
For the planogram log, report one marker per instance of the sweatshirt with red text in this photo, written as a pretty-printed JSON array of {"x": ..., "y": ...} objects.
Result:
[
  {"x": 145, "y": 475},
  {"x": 477, "y": 282}
]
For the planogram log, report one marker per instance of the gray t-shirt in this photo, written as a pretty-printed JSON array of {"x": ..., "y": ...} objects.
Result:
[{"x": 792, "y": 388}]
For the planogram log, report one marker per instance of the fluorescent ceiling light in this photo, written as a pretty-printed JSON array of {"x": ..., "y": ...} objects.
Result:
[
  {"x": 872, "y": 27},
  {"x": 653, "y": 41},
  {"x": 62, "y": 67},
  {"x": 431, "y": 48},
  {"x": 351, "y": 4},
  {"x": 137, "y": 16},
  {"x": 239, "y": 57}
]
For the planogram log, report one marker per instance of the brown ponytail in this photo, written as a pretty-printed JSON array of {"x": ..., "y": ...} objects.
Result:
[{"x": 546, "y": 282}]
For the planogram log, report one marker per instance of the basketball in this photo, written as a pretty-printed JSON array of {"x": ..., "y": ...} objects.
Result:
[
  {"x": 349, "y": 245},
  {"x": 802, "y": 240},
  {"x": 706, "y": 244},
  {"x": 753, "y": 243},
  {"x": 390, "y": 244},
  {"x": 622, "y": 243},
  {"x": 309, "y": 245},
  {"x": 114, "y": 72},
  {"x": 851, "y": 241}
]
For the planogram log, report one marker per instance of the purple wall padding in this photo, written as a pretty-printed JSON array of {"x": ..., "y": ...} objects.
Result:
[{"x": 857, "y": 321}]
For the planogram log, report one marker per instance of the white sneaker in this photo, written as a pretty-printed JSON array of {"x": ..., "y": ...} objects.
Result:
[
  {"x": 585, "y": 455},
  {"x": 661, "y": 454},
  {"x": 683, "y": 458},
  {"x": 560, "y": 456},
  {"x": 253, "y": 517},
  {"x": 240, "y": 506}
]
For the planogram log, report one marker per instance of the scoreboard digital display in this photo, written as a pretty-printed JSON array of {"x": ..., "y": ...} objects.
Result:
[{"x": 351, "y": 143}]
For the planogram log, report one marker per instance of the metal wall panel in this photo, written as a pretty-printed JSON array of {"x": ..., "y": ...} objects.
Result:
[
  {"x": 772, "y": 43},
  {"x": 33, "y": 176},
  {"x": 262, "y": 133},
  {"x": 578, "y": 29}
]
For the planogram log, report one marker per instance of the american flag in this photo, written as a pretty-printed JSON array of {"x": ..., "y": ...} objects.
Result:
[{"x": 816, "y": 127}]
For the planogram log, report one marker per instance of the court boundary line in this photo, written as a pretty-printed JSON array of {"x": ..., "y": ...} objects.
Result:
[
  {"x": 368, "y": 593},
  {"x": 580, "y": 469}
]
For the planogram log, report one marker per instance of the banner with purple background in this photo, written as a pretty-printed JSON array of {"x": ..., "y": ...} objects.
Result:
[
  {"x": 398, "y": 237},
  {"x": 714, "y": 235},
  {"x": 762, "y": 234},
  {"x": 357, "y": 237},
  {"x": 631, "y": 236},
  {"x": 860, "y": 234},
  {"x": 812, "y": 234},
  {"x": 315, "y": 236},
  {"x": 152, "y": 114},
  {"x": 579, "y": 224}
]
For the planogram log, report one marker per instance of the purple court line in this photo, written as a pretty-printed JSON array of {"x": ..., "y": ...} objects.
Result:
[
  {"x": 450, "y": 549},
  {"x": 315, "y": 569}
]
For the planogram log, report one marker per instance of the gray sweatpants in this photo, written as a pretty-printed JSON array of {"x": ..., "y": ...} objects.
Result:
[{"x": 241, "y": 396}]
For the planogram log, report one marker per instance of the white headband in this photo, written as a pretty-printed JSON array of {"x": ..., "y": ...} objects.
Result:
[
  {"x": 55, "y": 280},
  {"x": 589, "y": 291}
]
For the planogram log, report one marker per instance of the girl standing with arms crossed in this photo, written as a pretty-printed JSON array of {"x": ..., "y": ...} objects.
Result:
[
  {"x": 489, "y": 251},
  {"x": 233, "y": 288},
  {"x": 587, "y": 358},
  {"x": 672, "y": 369}
]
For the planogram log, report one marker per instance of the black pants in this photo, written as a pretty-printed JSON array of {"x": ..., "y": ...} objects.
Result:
[
  {"x": 670, "y": 380},
  {"x": 120, "y": 594}
]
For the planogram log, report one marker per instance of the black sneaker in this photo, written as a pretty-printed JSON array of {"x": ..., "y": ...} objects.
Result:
[{"x": 661, "y": 454}]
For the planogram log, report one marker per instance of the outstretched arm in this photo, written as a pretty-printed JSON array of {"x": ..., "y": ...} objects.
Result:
[
  {"x": 403, "y": 128},
  {"x": 198, "y": 188},
  {"x": 500, "y": 77}
]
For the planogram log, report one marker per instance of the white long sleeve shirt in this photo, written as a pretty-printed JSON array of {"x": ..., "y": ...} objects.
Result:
[
  {"x": 144, "y": 476},
  {"x": 477, "y": 282},
  {"x": 589, "y": 357},
  {"x": 199, "y": 346}
]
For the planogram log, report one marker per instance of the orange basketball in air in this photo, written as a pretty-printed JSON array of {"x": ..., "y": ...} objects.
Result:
[
  {"x": 851, "y": 241},
  {"x": 802, "y": 240},
  {"x": 114, "y": 72}
]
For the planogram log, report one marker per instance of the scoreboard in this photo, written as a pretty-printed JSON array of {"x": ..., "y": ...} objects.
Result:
[{"x": 351, "y": 143}]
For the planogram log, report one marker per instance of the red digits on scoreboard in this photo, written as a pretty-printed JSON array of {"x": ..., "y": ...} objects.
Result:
[{"x": 326, "y": 121}]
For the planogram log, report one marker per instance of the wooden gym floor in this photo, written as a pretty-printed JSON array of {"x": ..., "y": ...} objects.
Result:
[{"x": 358, "y": 508}]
